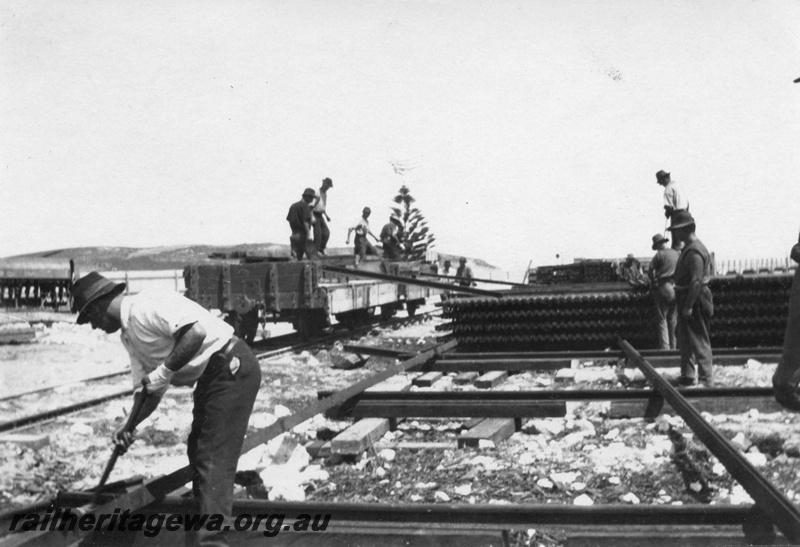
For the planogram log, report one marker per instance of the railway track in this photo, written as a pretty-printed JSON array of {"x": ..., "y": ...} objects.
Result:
[
  {"x": 355, "y": 401},
  {"x": 266, "y": 349}
]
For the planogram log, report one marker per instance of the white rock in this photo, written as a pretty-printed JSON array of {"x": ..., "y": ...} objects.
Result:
[
  {"x": 280, "y": 411},
  {"x": 564, "y": 478},
  {"x": 739, "y": 496},
  {"x": 527, "y": 458},
  {"x": 288, "y": 492},
  {"x": 659, "y": 445},
  {"x": 583, "y": 499},
  {"x": 387, "y": 455},
  {"x": 463, "y": 490},
  {"x": 415, "y": 497},
  {"x": 757, "y": 458},
  {"x": 740, "y": 441},
  {"x": 251, "y": 459},
  {"x": 752, "y": 364},
  {"x": 441, "y": 496},
  {"x": 545, "y": 483},
  {"x": 573, "y": 439},
  {"x": 614, "y": 480},
  {"x": 485, "y": 443},
  {"x": 718, "y": 469},
  {"x": 630, "y": 497},
  {"x": 566, "y": 375},
  {"x": 80, "y": 428},
  {"x": 611, "y": 435},
  {"x": 312, "y": 361},
  {"x": 380, "y": 472},
  {"x": 753, "y": 413},
  {"x": 551, "y": 426},
  {"x": 695, "y": 487},
  {"x": 577, "y": 486},
  {"x": 314, "y": 473}
]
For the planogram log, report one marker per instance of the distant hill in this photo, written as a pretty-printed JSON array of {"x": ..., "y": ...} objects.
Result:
[{"x": 173, "y": 257}]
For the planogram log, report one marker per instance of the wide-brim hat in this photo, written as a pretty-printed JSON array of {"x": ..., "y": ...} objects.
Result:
[
  {"x": 309, "y": 192},
  {"x": 661, "y": 175},
  {"x": 89, "y": 288},
  {"x": 658, "y": 239},
  {"x": 680, "y": 219}
]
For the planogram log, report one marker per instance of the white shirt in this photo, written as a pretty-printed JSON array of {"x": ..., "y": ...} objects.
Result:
[
  {"x": 150, "y": 320},
  {"x": 673, "y": 198},
  {"x": 322, "y": 201}
]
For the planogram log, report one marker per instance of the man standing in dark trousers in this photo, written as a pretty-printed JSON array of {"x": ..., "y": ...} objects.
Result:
[
  {"x": 661, "y": 272},
  {"x": 390, "y": 237},
  {"x": 674, "y": 201},
  {"x": 362, "y": 245},
  {"x": 299, "y": 217},
  {"x": 174, "y": 341},
  {"x": 695, "y": 305},
  {"x": 321, "y": 218}
]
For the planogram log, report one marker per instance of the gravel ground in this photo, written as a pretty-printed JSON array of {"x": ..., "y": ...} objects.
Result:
[{"x": 583, "y": 458}]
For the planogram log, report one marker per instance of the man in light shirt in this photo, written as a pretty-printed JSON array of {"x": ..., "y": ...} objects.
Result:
[
  {"x": 174, "y": 341},
  {"x": 673, "y": 200},
  {"x": 321, "y": 218}
]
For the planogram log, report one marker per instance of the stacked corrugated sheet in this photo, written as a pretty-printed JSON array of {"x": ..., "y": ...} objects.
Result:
[{"x": 749, "y": 312}]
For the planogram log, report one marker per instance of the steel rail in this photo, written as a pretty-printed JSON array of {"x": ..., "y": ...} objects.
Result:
[
  {"x": 16, "y": 423},
  {"x": 452, "y": 513},
  {"x": 771, "y": 501},
  {"x": 405, "y": 280},
  {"x": 492, "y": 281},
  {"x": 76, "y": 382},
  {"x": 158, "y": 488},
  {"x": 599, "y": 354},
  {"x": 519, "y": 404}
]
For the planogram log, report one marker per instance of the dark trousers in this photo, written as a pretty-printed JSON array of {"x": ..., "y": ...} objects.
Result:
[
  {"x": 223, "y": 402},
  {"x": 321, "y": 232},
  {"x": 391, "y": 250},
  {"x": 363, "y": 247},
  {"x": 666, "y": 312},
  {"x": 301, "y": 246},
  {"x": 694, "y": 342}
]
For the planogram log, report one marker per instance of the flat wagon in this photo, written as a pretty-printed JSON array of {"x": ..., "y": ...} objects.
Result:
[{"x": 257, "y": 290}]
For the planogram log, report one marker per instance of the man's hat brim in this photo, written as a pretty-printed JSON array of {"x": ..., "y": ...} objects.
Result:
[{"x": 115, "y": 288}]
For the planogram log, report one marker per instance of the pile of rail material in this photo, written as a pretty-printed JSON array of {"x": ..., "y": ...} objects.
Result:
[{"x": 748, "y": 311}]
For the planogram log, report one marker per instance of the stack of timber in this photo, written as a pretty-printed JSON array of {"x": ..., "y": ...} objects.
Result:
[{"x": 749, "y": 311}]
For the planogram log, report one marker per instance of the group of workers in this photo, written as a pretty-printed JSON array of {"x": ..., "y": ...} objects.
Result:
[
  {"x": 308, "y": 220},
  {"x": 174, "y": 341},
  {"x": 678, "y": 275}
]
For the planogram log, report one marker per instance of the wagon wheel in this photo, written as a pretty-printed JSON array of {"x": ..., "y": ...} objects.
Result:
[
  {"x": 248, "y": 326},
  {"x": 411, "y": 308},
  {"x": 311, "y": 324}
]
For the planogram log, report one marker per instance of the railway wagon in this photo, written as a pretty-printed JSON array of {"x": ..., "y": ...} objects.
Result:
[
  {"x": 34, "y": 283},
  {"x": 259, "y": 290}
]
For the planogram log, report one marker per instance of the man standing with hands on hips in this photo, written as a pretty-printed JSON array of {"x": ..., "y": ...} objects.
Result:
[{"x": 174, "y": 341}]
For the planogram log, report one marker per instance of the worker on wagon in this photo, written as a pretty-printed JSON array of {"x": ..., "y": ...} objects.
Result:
[
  {"x": 362, "y": 245},
  {"x": 785, "y": 379},
  {"x": 694, "y": 301},
  {"x": 174, "y": 341},
  {"x": 673, "y": 200},
  {"x": 321, "y": 218},
  {"x": 661, "y": 271},
  {"x": 464, "y": 273},
  {"x": 390, "y": 237},
  {"x": 299, "y": 217}
]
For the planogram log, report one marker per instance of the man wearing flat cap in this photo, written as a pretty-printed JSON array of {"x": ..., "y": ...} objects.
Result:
[
  {"x": 695, "y": 305},
  {"x": 302, "y": 239},
  {"x": 673, "y": 200},
  {"x": 174, "y": 341},
  {"x": 319, "y": 208},
  {"x": 661, "y": 272}
]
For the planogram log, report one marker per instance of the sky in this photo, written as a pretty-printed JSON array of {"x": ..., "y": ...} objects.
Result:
[{"x": 525, "y": 129}]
